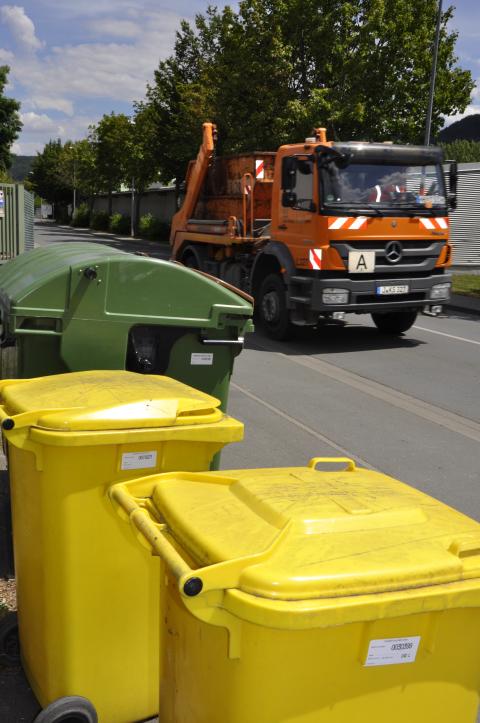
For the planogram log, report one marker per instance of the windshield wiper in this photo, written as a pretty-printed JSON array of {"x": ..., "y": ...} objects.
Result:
[{"x": 369, "y": 207}]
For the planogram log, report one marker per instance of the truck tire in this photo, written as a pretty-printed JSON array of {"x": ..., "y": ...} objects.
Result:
[
  {"x": 272, "y": 308},
  {"x": 394, "y": 322},
  {"x": 190, "y": 261}
]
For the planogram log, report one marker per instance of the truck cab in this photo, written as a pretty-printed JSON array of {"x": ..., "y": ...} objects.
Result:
[{"x": 319, "y": 229}]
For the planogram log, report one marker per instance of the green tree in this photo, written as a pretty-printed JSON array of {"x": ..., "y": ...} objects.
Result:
[
  {"x": 110, "y": 139},
  {"x": 10, "y": 123},
  {"x": 276, "y": 68},
  {"x": 47, "y": 176},
  {"x": 462, "y": 151},
  {"x": 79, "y": 170},
  {"x": 142, "y": 164},
  {"x": 180, "y": 98}
]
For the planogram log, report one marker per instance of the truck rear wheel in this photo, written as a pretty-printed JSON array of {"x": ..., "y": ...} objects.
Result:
[
  {"x": 272, "y": 308},
  {"x": 394, "y": 322}
]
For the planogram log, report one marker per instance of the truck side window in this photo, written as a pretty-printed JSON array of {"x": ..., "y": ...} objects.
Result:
[{"x": 297, "y": 183}]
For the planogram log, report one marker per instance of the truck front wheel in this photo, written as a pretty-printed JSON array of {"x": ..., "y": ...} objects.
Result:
[
  {"x": 272, "y": 308},
  {"x": 394, "y": 322}
]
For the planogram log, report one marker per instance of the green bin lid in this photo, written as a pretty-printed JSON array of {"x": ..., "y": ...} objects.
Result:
[{"x": 50, "y": 282}]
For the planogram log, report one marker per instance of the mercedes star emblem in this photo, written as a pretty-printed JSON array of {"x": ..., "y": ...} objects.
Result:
[{"x": 393, "y": 252}]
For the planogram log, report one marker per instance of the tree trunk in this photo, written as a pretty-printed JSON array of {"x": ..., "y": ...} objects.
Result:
[{"x": 136, "y": 216}]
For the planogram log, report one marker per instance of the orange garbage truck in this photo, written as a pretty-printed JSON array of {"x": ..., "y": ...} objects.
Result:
[{"x": 320, "y": 229}]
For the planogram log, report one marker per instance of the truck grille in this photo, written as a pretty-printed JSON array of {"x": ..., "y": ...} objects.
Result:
[{"x": 420, "y": 255}]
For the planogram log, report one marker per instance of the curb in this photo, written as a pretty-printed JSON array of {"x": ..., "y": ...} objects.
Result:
[{"x": 467, "y": 304}]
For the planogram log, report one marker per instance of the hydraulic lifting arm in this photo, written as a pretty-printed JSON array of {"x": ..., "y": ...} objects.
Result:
[{"x": 196, "y": 177}]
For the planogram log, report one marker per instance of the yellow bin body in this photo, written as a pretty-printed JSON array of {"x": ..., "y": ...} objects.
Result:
[
  {"x": 88, "y": 600},
  {"x": 304, "y": 596}
]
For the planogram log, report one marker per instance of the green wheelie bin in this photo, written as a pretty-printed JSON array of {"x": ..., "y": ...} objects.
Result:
[{"x": 80, "y": 306}]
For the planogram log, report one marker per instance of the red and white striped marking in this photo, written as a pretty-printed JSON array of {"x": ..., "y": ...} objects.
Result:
[
  {"x": 347, "y": 223},
  {"x": 434, "y": 223},
  {"x": 259, "y": 169},
  {"x": 315, "y": 258}
]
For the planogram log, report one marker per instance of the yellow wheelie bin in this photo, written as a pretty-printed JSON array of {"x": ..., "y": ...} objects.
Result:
[
  {"x": 88, "y": 600},
  {"x": 305, "y": 595}
]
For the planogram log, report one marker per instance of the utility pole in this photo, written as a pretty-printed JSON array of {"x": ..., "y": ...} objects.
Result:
[
  {"x": 74, "y": 183},
  {"x": 132, "y": 211},
  {"x": 433, "y": 76}
]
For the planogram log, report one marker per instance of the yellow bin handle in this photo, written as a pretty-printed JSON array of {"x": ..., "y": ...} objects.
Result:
[
  {"x": 218, "y": 576},
  {"x": 351, "y": 466}
]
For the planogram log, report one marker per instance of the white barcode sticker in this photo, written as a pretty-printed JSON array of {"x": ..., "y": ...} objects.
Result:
[
  {"x": 139, "y": 460},
  {"x": 202, "y": 359},
  {"x": 392, "y": 651}
]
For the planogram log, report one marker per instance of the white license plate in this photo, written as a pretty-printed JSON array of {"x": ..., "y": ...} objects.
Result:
[{"x": 393, "y": 289}]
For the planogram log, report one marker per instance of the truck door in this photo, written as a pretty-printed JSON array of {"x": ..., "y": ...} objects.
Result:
[{"x": 297, "y": 211}]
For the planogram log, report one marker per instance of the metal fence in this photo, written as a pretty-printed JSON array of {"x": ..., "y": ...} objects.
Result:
[{"x": 16, "y": 220}]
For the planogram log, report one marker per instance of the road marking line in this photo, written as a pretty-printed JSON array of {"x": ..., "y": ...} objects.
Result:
[
  {"x": 431, "y": 413},
  {"x": 450, "y": 336},
  {"x": 303, "y": 427}
]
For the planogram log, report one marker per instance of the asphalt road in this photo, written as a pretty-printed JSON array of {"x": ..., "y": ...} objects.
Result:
[{"x": 409, "y": 407}]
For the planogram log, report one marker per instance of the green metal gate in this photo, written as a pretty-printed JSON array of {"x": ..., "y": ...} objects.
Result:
[{"x": 16, "y": 220}]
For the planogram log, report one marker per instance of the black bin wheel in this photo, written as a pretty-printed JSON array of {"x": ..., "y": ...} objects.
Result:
[
  {"x": 71, "y": 709},
  {"x": 9, "y": 643}
]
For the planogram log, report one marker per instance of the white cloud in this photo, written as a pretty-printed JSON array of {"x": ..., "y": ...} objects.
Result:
[
  {"x": 116, "y": 28},
  {"x": 50, "y": 103},
  {"x": 35, "y": 123},
  {"x": 6, "y": 56},
  {"x": 21, "y": 27},
  {"x": 66, "y": 79}
]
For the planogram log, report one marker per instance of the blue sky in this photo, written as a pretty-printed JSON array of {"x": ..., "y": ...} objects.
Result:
[{"x": 72, "y": 61}]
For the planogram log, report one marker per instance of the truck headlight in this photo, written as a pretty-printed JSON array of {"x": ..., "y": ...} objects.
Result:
[
  {"x": 440, "y": 291},
  {"x": 335, "y": 296}
]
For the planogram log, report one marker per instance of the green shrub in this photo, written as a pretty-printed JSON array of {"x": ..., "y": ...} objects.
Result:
[
  {"x": 119, "y": 223},
  {"x": 81, "y": 216},
  {"x": 152, "y": 228},
  {"x": 100, "y": 221}
]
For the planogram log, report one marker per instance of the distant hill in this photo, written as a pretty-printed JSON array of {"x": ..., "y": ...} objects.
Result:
[
  {"x": 21, "y": 167},
  {"x": 467, "y": 129}
]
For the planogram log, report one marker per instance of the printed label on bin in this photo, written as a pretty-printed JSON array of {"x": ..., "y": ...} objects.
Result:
[
  {"x": 392, "y": 651},
  {"x": 202, "y": 359},
  {"x": 139, "y": 460}
]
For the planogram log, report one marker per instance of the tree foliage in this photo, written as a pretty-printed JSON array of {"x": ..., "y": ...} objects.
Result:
[
  {"x": 10, "y": 123},
  {"x": 47, "y": 178},
  {"x": 462, "y": 151},
  {"x": 270, "y": 72},
  {"x": 110, "y": 139}
]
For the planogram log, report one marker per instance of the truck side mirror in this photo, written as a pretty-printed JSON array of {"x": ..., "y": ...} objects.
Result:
[
  {"x": 453, "y": 182},
  {"x": 289, "y": 198}
]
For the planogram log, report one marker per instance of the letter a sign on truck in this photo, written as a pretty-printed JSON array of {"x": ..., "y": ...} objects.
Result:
[{"x": 2, "y": 204}]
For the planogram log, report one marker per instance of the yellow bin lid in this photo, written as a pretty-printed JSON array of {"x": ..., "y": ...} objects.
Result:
[
  {"x": 299, "y": 539},
  {"x": 104, "y": 401}
]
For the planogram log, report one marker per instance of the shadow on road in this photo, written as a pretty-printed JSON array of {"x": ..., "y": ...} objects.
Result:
[{"x": 333, "y": 339}]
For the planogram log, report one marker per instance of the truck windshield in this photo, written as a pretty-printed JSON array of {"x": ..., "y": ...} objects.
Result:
[{"x": 380, "y": 186}]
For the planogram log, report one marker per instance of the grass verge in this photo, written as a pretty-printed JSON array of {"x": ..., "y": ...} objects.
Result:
[{"x": 467, "y": 284}]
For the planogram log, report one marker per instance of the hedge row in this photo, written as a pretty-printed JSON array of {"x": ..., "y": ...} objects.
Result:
[{"x": 149, "y": 226}]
